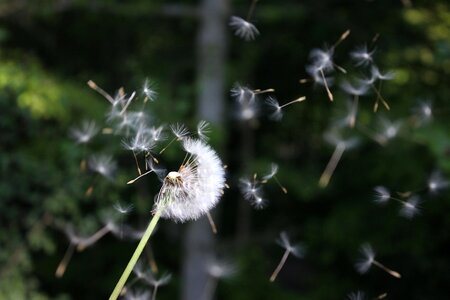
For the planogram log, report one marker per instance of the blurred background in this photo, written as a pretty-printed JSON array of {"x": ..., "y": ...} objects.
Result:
[{"x": 58, "y": 187}]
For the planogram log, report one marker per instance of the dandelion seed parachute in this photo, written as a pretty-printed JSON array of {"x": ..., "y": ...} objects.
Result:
[{"x": 195, "y": 188}]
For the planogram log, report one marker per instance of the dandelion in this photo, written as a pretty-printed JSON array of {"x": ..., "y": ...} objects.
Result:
[
  {"x": 356, "y": 296},
  {"x": 156, "y": 283},
  {"x": 202, "y": 130},
  {"x": 180, "y": 131},
  {"x": 437, "y": 182},
  {"x": 186, "y": 194},
  {"x": 410, "y": 208},
  {"x": 277, "y": 109},
  {"x": 423, "y": 113},
  {"x": 362, "y": 56},
  {"x": 340, "y": 146},
  {"x": 103, "y": 165},
  {"x": 368, "y": 259},
  {"x": 376, "y": 75},
  {"x": 252, "y": 192},
  {"x": 137, "y": 295},
  {"x": 217, "y": 269},
  {"x": 243, "y": 29},
  {"x": 85, "y": 132},
  {"x": 272, "y": 174},
  {"x": 149, "y": 91},
  {"x": 356, "y": 91},
  {"x": 296, "y": 250},
  {"x": 389, "y": 130},
  {"x": 382, "y": 194}
]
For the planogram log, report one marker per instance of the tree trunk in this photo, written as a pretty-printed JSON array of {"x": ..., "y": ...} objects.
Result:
[{"x": 211, "y": 50}]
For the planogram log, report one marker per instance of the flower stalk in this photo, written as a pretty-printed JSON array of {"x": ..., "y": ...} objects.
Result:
[{"x": 137, "y": 253}]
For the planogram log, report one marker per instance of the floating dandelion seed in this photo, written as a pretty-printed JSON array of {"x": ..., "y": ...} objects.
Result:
[
  {"x": 409, "y": 208},
  {"x": 103, "y": 165},
  {"x": 368, "y": 259},
  {"x": 437, "y": 182},
  {"x": 388, "y": 130},
  {"x": 202, "y": 130},
  {"x": 356, "y": 91},
  {"x": 423, "y": 113},
  {"x": 252, "y": 192},
  {"x": 243, "y": 29},
  {"x": 180, "y": 131},
  {"x": 156, "y": 283},
  {"x": 149, "y": 91},
  {"x": 186, "y": 194},
  {"x": 245, "y": 98},
  {"x": 272, "y": 174},
  {"x": 277, "y": 109},
  {"x": 376, "y": 75},
  {"x": 217, "y": 269},
  {"x": 382, "y": 194},
  {"x": 356, "y": 296},
  {"x": 137, "y": 295},
  {"x": 362, "y": 56},
  {"x": 340, "y": 146},
  {"x": 85, "y": 132},
  {"x": 296, "y": 250}
]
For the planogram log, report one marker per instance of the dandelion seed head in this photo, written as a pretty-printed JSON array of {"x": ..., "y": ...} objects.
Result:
[
  {"x": 85, "y": 132},
  {"x": 437, "y": 182},
  {"x": 410, "y": 208},
  {"x": 196, "y": 187},
  {"x": 382, "y": 194},
  {"x": 367, "y": 258},
  {"x": 243, "y": 29}
]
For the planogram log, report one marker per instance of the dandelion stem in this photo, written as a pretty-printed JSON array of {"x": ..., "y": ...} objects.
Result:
[
  {"x": 61, "y": 269},
  {"x": 331, "y": 166},
  {"x": 293, "y": 101},
  {"x": 211, "y": 222},
  {"x": 142, "y": 175},
  {"x": 330, "y": 95},
  {"x": 389, "y": 271},
  {"x": 126, "y": 273},
  {"x": 99, "y": 90},
  {"x": 280, "y": 266}
]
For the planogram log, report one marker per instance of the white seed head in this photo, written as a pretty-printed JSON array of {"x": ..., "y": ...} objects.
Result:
[
  {"x": 179, "y": 130},
  {"x": 196, "y": 187},
  {"x": 272, "y": 173},
  {"x": 243, "y": 29},
  {"x": 202, "y": 130},
  {"x": 149, "y": 90},
  {"x": 362, "y": 56},
  {"x": 274, "y": 105},
  {"x": 437, "y": 182}
]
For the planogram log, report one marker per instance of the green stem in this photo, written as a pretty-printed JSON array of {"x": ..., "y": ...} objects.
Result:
[{"x": 123, "y": 279}]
